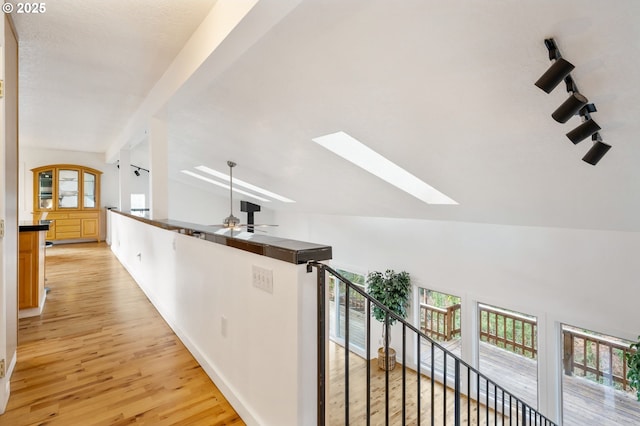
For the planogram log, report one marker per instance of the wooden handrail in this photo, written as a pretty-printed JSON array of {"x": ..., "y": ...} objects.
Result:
[
  {"x": 516, "y": 344},
  {"x": 571, "y": 365},
  {"x": 439, "y": 323}
]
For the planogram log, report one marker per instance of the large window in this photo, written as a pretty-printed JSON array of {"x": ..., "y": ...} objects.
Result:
[
  {"x": 440, "y": 319},
  {"x": 357, "y": 311},
  {"x": 594, "y": 385},
  {"x": 509, "y": 351}
]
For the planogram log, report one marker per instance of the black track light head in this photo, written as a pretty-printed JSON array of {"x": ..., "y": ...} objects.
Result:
[
  {"x": 583, "y": 131},
  {"x": 597, "y": 151},
  {"x": 137, "y": 172},
  {"x": 569, "y": 108},
  {"x": 554, "y": 75}
]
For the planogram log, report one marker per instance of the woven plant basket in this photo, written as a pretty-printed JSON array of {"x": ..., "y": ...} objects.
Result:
[{"x": 382, "y": 359}]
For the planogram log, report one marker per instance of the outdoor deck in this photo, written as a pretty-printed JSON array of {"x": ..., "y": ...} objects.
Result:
[{"x": 585, "y": 402}]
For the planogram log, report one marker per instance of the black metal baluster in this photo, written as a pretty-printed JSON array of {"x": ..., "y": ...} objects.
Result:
[
  {"x": 477, "y": 399},
  {"x": 419, "y": 363},
  {"x": 510, "y": 409},
  {"x": 321, "y": 347},
  {"x": 486, "y": 401},
  {"x": 347, "y": 349},
  {"x": 444, "y": 394},
  {"x": 404, "y": 374},
  {"x": 386, "y": 369},
  {"x": 495, "y": 404},
  {"x": 456, "y": 402},
  {"x": 433, "y": 361},
  {"x": 468, "y": 396},
  {"x": 368, "y": 344},
  {"x": 502, "y": 390}
]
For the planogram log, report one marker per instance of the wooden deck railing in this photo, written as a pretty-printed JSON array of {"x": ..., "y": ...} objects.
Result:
[
  {"x": 440, "y": 323},
  {"x": 356, "y": 301},
  {"x": 509, "y": 330},
  {"x": 604, "y": 358}
]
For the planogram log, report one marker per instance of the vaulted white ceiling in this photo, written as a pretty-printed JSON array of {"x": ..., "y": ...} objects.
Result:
[{"x": 443, "y": 89}]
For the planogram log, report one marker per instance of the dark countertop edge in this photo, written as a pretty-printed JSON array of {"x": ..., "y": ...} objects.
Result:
[
  {"x": 33, "y": 227},
  {"x": 291, "y": 251}
]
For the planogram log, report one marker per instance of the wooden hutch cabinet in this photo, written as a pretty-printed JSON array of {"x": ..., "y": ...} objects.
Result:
[{"x": 69, "y": 196}]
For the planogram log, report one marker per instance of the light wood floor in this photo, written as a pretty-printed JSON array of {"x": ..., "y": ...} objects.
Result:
[
  {"x": 100, "y": 354},
  {"x": 442, "y": 408}
]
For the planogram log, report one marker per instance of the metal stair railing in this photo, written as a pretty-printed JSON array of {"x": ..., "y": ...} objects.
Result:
[{"x": 476, "y": 398}]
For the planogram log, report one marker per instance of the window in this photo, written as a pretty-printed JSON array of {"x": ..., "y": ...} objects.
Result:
[
  {"x": 357, "y": 311},
  {"x": 509, "y": 351},
  {"x": 594, "y": 384}
]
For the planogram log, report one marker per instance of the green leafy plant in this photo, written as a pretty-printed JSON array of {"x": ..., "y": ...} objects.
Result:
[
  {"x": 633, "y": 362},
  {"x": 392, "y": 290}
]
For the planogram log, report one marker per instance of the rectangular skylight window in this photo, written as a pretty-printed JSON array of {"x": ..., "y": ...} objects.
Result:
[
  {"x": 222, "y": 185},
  {"x": 244, "y": 184},
  {"x": 362, "y": 156}
]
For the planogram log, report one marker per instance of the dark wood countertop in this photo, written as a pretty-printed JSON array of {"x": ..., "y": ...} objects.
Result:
[
  {"x": 292, "y": 251},
  {"x": 33, "y": 226}
]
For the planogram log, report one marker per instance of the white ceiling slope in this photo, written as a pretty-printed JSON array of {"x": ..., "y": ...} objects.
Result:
[{"x": 443, "y": 89}]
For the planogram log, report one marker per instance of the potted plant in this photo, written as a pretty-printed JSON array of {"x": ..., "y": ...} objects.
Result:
[
  {"x": 394, "y": 291},
  {"x": 633, "y": 363}
]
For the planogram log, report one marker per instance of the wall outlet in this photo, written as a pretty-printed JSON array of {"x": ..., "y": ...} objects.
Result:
[
  {"x": 263, "y": 279},
  {"x": 1, "y": 228}
]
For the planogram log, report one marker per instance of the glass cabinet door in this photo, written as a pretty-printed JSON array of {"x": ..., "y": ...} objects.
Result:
[
  {"x": 45, "y": 190},
  {"x": 89, "y": 183},
  {"x": 68, "y": 189}
]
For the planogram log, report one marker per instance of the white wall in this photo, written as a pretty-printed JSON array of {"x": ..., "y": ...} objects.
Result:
[
  {"x": 31, "y": 158},
  {"x": 265, "y": 362}
]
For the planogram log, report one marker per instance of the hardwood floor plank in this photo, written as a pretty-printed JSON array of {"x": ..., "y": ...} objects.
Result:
[{"x": 100, "y": 354}]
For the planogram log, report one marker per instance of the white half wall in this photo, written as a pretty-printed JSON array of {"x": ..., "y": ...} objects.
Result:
[{"x": 258, "y": 348}]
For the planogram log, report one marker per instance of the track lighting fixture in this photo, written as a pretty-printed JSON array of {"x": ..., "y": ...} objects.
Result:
[
  {"x": 597, "y": 151},
  {"x": 577, "y": 103},
  {"x": 138, "y": 168}
]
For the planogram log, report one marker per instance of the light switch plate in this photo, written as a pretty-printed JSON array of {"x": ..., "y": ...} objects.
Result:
[{"x": 263, "y": 279}]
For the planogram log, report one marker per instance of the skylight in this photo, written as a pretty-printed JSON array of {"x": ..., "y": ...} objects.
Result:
[
  {"x": 244, "y": 184},
  {"x": 362, "y": 156},
  {"x": 220, "y": 184}
]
